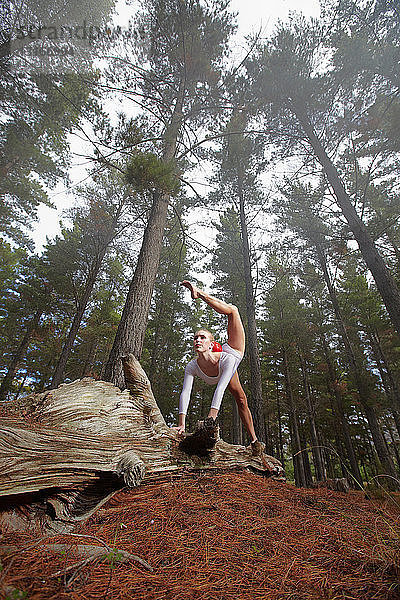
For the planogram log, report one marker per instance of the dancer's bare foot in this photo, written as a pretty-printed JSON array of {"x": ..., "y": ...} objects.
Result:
[{"x": 192, "y": 288}]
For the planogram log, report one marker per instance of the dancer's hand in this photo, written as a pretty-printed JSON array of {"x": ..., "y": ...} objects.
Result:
[{"x": 180, "y": 429}]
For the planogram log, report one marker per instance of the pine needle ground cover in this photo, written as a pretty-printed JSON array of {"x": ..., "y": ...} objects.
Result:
[{"x": 232, "y": 536}]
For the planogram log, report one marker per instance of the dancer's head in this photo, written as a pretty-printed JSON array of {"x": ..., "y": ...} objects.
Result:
[{"x": 202, "y": 340}]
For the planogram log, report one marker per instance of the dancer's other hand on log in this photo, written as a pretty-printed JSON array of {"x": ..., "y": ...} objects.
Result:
[{"x": 180, "y": 429}]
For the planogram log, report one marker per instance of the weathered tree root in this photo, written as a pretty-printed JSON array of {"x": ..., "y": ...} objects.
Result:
[
  {"x": 97, "y": 553},
  {"x": 91, "y": 554}
]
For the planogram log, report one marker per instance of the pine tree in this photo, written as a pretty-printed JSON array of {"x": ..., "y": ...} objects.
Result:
[
  {"x": 184, "y": 47},
  {"x": 295, "y": 90}
]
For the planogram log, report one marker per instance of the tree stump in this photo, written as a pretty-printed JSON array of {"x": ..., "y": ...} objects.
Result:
[{"x": 76, "y": 446}]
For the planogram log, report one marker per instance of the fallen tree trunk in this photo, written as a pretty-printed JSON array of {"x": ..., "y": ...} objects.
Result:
[{"x": 65, "y": 452}]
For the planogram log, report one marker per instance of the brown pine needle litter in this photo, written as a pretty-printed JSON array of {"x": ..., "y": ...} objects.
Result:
[{"x": 231, "y": 536}]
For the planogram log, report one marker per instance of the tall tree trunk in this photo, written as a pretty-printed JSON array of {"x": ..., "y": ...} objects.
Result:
[
  {"x": 76, "y": 323},
  {"x": 395, "y": 247},
  {"x": 132, "y": 327},
  {"x": 381, "y": 445},
  {"x": 278, "y": 408},
  {"x": 363, "y": 392},
  {"x": 394, "y": 444},
  {"x": 130, "y": 334},
  {"x": 388, "y": 380},
  {"x": 203, "y": 403},
  {"x": 305, "y": 455},
  {"x": 257, "y": 403},
  {"x": 299, "y": 471},
  {"x": 390, "y": 385},
  {"x": 19, "y": 355},
  {"x": 386, "y": 284},
  {"x": 318, "y": 461},
  {"x": 237, "y": 424},
  {"x": 337, "y": 400},
  {"x": 339, "y": 441},
  {"x": 222, "y": 419},
  {"x": 90, "y": 357},
  {"x": 268, "y": 435},
  {"x": 329, "y": 460},
  {"x": 21, "y": 386},
  {"x": 372, "y": 458},
  {"x": 396, "y": 417}
]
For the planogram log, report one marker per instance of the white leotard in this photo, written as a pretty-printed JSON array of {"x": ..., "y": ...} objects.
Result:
[{"x": 228, "y": 363}]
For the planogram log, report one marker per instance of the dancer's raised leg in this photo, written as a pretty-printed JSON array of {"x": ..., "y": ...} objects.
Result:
[{"x": 236, "y": 336}]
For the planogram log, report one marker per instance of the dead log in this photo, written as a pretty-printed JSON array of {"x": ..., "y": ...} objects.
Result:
[{"x": 79, "y": 444}]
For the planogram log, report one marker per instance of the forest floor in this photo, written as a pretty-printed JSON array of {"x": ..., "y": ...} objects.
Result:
[{"x": 231, "y": 536}]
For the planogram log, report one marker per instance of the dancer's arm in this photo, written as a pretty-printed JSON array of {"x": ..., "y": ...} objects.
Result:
[
  {"x": 184, "y": 398},
  {"x": 228, "y": 369}
]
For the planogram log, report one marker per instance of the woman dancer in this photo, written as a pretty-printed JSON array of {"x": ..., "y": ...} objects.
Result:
[{"x": 218, "y": 368}]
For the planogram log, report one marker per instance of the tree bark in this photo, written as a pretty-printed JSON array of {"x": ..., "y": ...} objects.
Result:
[
  {"x": 386, "y": 284},
  {"x": 19, "y": 355},
  {"x": 89, "y": 359},
  {"x": 86, "y": 440},
  {"x": 21, "y": 386},
  {"x": 389, "y": 429},
  {"x": 237, "y": 427},
  {"x": 305, "y": 455},
  {"x": 396, "y": 417},
  {"x": 395, "y": 247}
]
